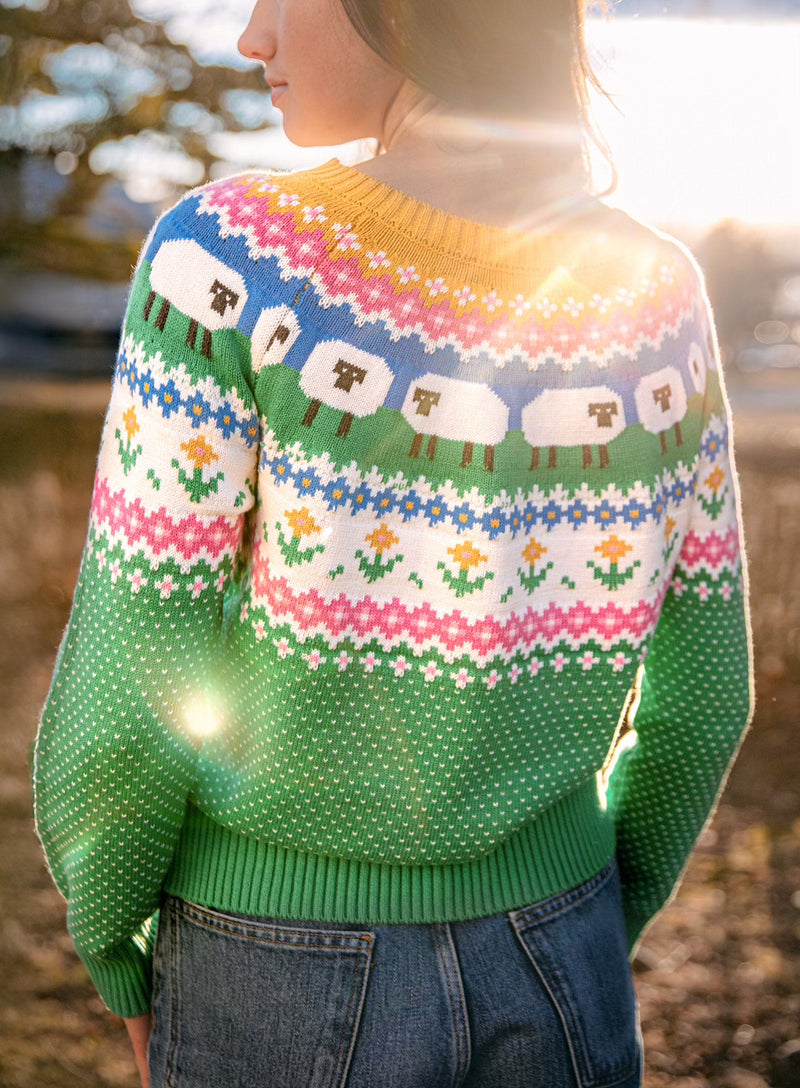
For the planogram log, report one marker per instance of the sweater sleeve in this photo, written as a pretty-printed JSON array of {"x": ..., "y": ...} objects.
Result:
[
  {"x": 695, "y": 689},
  {"x": 133, "y": 691}
]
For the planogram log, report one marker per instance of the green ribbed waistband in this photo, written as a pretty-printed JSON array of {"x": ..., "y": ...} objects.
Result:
[{"x": 224, "y": 869}]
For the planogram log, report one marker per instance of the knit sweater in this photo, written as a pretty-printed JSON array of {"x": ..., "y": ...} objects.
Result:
[{"x": 390, "y": 510}]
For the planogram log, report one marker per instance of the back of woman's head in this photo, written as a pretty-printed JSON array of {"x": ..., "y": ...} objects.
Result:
[{"x": 494, "y": 59}]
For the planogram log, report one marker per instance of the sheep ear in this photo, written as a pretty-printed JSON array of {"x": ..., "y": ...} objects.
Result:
[{"x": 274, "y": 335}]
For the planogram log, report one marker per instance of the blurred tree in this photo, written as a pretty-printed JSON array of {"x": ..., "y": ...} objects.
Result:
[{"x": 90, "y": 91}]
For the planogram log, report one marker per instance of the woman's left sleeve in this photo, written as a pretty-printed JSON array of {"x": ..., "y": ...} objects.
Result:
[
  {"x": 133, "y": 691},
  {"x": 696, "y": 695}
]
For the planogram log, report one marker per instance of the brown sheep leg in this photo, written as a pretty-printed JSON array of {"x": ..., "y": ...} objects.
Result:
[
  {"x": 416, "y": 445},
  {"x": 604, "y": 462},
  {"x": 344, "y": 425},
  {"x": 587, "y": 456},
  {"x": 161, "y": 320},
  {"x": 466, "y": 456},
  {"x": 535, "y": 453},
  {"x": 432, "y": 447},
  {"x": 148, "y": 306},
  {"x": 311, "y": 412},
  {"x": 488, "y": 458}
]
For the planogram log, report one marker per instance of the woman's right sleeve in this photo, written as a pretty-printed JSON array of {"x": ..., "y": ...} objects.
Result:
[{"x": 133, "y": 694}]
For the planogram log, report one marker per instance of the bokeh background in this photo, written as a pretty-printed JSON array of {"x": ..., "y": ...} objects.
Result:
[{"x": 109, "y": 110}]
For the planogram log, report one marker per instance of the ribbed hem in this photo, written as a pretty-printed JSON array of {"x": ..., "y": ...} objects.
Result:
[
  {"x": 565, "y": 845},
  {"x": 123, "y": 978}
]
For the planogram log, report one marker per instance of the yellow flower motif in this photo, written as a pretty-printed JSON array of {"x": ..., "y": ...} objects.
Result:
[
  {"x": 199, "y": 452},
  {"x": 533, "y": 552},
  {"x": 613, "y": 549},
  {"x": 714, "y": 481},
  {"x": 301, "y": 522},
  {"x": 131, "y": 422},
  {"x": 382, "y": 539},
  {"x": 467, "y": 555},
  {"x": 668, "y": 527}
]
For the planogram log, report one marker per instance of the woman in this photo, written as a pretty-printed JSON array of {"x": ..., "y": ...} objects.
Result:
[{"x": 407, "y": 469}]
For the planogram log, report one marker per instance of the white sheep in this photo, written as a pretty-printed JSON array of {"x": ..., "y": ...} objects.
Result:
[
  {"x": 467, "y": 412},
  {"x": 661, "y": 403},
  {"x": 274, "y": 334},
  {"x": 698, "y": 368},
  {"x": 344, "y": 377},
  {"x": 592, "y": 415},
  {"x": 211, "y": 294}
]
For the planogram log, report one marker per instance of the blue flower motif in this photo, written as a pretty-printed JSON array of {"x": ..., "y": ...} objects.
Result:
[
  {"x": 169, "y": 398},
  {"x": 604, "y": 513},
  {"x": 577, "y": 513},
  {"x": 306, "y": 480},
  {"x": 634, "y": 513},
  {"x": 530, "y": 514},
  {"x": 713, "y": 444},
  {"x": 494, "y": 522},
  {"x": 281, "y": 468},
  {"x": 225, "y": 419},
  {"x": 462, "y": 516},
  {"x": 146, "y": 387},
  {"x": 337, "y": 493},
  {"x": 248, "y": 429},
  {"x": 196, "y": 408},
  {"x": 436, "y": 510},
  {"x": 384, "y": 501},
  {"x": 360, "y": 499},
  {"x": 679, "y": 491},
  {"x": 409, "y": 505},
  {"x": 552, "y": 514}
]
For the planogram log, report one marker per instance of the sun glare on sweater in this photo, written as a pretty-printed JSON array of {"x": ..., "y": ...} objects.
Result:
[{"x": 204, "y": 716}]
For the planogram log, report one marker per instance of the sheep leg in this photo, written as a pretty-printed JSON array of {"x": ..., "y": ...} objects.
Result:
[
  {"x": 148, "y": 306},
  {"x": 161, "y": 320},
  {"x": 663, "y": 438},
  {"x": 535, "y": 457},
  {"x": 344, "y": 425},
  {"x": 466, "y": 456},
  {"x": 416, "y": 445},
  {"x": 587, "y": 456},
  {"x": 191, "y": 335},
  {"x": 678, "y": 435},
  {"x": 206, "y": 348},
  {"x": 311, "y": 412},
  {"x": 603, "y": 451},
  {"x": 432, "y": 447},
  {"x": 552, "y": 457},
  {"x": 488, "y": 458}
]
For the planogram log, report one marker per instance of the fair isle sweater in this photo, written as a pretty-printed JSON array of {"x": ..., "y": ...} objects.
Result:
[{"x": 390, "y": 510}]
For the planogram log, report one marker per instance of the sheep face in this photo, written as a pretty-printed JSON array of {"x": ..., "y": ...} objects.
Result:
[
  {"x": 344, "y": 377},
  {"x": 661, "y": 400},
  {"x": 593, "y": 415},
  {"x": 198, "y": 285},
  {"x": 455, "y": 409},
  {"x": 274, "y": 335}
]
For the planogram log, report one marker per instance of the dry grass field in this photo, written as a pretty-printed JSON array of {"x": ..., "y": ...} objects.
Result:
[{"x": 718, "y": 973}]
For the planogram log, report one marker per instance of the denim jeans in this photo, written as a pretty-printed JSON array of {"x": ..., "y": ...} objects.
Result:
[{"x": 537, "y": 998}]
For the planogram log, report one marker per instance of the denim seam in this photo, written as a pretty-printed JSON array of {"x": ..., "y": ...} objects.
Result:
[
  {"x": 336, "y": 941},
  {"x": 359, "y": 975},
  {"x": 529, "y": 917},
  {"x": 456, "y": 998},
  {"x": 174, "y": 1000}
]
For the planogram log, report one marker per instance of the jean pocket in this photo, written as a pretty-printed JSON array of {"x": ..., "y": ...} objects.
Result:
[
  {"x": 576, "y": 943},
  {"x": 250, "y": 1002}
]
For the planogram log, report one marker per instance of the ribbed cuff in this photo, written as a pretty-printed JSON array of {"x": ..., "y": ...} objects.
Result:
[
  {"x": 123, "y": 978},
  {"x": 216, "y": 867}
]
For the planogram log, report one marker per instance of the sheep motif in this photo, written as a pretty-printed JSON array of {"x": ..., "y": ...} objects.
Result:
[
  {"x": 465, "y": 412},
  {"x": 274, "y": 334},
  {"x": 188, "y": 277},
  {"x": 661, "y": 403},
  {"x": 592, "y": 415},
  {"x": 698, "y": 368},
  {"x": 341, "y": 376}
]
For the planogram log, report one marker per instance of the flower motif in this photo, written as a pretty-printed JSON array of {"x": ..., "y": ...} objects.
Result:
[
  {"x": 382, "y": 539},
  {"x": 466, "y": 555},
  {"x": 515, "y": 673},
  {"x": 260, "y": 630},
  {"x": 407, "y": 274},
  {"x": 533, "y": 552},
  {"x": 519, "y": 304},
  {"x": 572, "y": 307},
  {"x": 492, "y": 680},
  {"x": 492, "y": 301},
  {"x": 547, "y": 308},
  {"x": 431, "y": 671},
  {"x": 137, "y": 580},
  {"x": 559, "y": 661},
  {"x": 400, "y": 665},
  {"x": 244, "y": 612},
  {"x": 463, "y": 295},
  {"x": 534, "y": 665},
  {"x": 462, "y": 678},
  {"x": 370, "y": 662},
  {"x": 343, "y": 660},
  {"x": 199, "y": 451},
  {"x": 678, "y": 586},
  {"x": 378, "y": 259},
  {"x": 588, "y": 660},
  {"x": 314, "y": 215},
  {"x": 166, "y": 587},
  {"x": 131, "y": 422},
  {"x": 715, "y": 479},
  {"x": 613, "y": 549},
  {"x": 436, "y": 287},
  {"x": 288, "y": 200},
  {"x": 301, "y": 522},
  {"x": 703, "y": 591},
  {"x": 115, "y": 570},
  {"x": 619, "y": 661},
  {"x": 314, "y": 659},
  {"x": 197, "y": 587}
]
